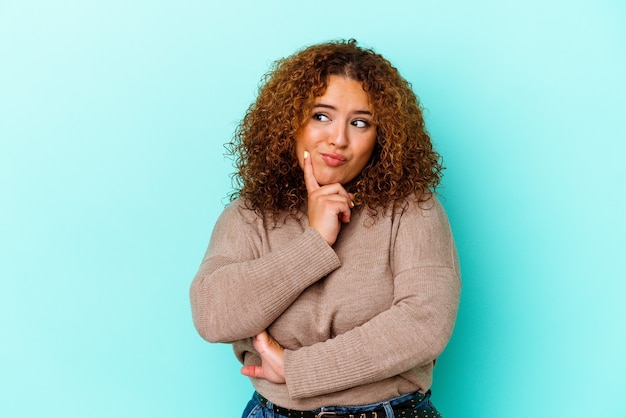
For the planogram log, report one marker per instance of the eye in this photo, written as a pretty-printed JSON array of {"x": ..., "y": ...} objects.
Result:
[
  {"x": 360, "y": 123},
  {"x": 321, "y": 117}
]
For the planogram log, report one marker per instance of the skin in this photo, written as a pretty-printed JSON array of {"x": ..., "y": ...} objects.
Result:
[
  {"x": 339, "y": 139},
  {"x": 340, "y": 135},
  {"x": 333, "y": 147}
]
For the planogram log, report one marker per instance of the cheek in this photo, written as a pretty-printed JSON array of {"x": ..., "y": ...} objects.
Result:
[
  {"x": 302, "y": 139},
  {"x": 368, "y": 150},
  {"x": 307, "y": 140}
]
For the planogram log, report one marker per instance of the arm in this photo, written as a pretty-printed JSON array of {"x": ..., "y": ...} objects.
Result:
[
  {"x": 239, "y": 289},
  {"x": 412, "y": 332}
]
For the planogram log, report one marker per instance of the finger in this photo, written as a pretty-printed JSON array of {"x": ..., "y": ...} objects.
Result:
[
  {"x": 259, "y": 342},
  {"x": 337, "y": 192},
  {"x": 253, "y": 371},
  {"x": 345, "y": 213},
  {"x": 340, "y": 207},
  {"x": 309, "y": 176},
  {"x": 265, "y": 344},
  {"x": 333, "y": 189},
  {"x": 340, "y": 197}
]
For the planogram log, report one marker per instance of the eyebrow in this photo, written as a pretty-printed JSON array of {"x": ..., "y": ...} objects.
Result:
[{"x": 331, "y": 107}]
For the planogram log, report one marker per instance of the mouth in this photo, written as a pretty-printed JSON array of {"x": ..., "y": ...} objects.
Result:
[{"x": 333, "y": 160}]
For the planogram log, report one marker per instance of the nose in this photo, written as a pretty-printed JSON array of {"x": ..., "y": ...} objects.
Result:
[{"x": 339, "y": 136}]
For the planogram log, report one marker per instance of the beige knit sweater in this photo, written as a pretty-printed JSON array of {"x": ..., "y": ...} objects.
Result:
[{"x": 361, "y": 321}]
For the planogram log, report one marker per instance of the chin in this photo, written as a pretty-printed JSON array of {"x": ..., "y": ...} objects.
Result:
[
  {"x": 330, "y": 178},
  {"x": 324, "y": 182}
]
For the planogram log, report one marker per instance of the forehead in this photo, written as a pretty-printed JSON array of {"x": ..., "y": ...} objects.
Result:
[{"x": 344, "y": 90}]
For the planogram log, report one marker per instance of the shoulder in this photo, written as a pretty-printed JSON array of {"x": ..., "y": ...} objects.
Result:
[
  {"x": 239, "y": 211},
  {"x": 424, "y": 221},
  {"x": 239, "y": 216},
  {"x": 424, "y": 233},
  {"x": 411, "y": 210},
  {"x": 420, "y": 210},
  {"x": 235, "y": 230},
  {"x": 235, "y": 218}
]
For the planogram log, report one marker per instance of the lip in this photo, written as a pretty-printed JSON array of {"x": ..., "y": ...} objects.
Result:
[{"x": 333, "y": 160}]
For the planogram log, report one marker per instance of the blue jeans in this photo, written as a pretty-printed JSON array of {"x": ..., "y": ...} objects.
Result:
[{"x": 255, "y": 410}]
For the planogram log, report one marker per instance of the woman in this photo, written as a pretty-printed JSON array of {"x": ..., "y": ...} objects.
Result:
[{"x": 333, "y": 271}]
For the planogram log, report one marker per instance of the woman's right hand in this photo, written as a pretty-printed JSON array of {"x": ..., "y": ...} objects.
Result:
[{"x": 329, "y": 205}]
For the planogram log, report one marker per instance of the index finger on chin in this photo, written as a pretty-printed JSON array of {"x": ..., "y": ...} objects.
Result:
[{"x": 309, "y": 176}]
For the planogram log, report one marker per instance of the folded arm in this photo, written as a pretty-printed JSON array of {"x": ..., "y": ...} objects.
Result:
[{"x": 237, "y": 293}]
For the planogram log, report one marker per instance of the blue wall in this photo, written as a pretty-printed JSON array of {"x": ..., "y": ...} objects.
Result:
[{"x": 112, "y": 120}]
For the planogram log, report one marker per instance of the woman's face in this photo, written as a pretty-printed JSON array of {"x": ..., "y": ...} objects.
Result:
[{"x": 339, "y": 135}]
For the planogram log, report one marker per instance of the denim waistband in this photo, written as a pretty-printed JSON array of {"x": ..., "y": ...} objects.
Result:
[{"x": 383, "y": 408}]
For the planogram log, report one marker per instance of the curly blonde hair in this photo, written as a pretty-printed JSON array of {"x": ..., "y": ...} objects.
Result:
[{"x": 268, "y": 175}]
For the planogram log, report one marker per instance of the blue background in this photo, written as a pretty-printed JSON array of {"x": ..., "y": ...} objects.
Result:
[{"x": 113, "y": 116}]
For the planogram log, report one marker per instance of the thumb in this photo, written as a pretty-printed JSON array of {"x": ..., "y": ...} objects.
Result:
[{"x": 260, "y": 341}]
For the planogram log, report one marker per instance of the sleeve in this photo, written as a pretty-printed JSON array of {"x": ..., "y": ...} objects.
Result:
[
  {"x": 412, "y": 332},
  {"x": 235, "y": 271}
]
